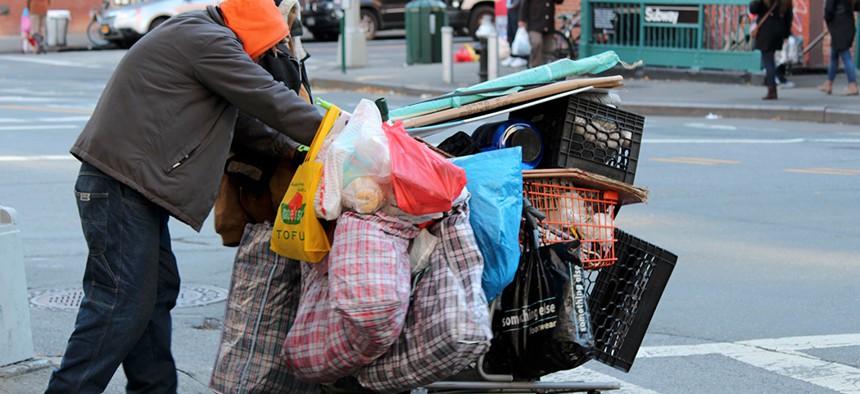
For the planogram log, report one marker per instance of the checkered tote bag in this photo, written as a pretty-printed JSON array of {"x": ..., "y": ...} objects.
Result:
[
  {"x": 448, "y": 323},
  {"x": 351, "y": 315},
  {"x": 261, "y": 306}
]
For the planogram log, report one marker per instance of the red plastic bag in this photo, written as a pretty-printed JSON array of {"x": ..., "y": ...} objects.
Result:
[{"x": 424, "y": 182}]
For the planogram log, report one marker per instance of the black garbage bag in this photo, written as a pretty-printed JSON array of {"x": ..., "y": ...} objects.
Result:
[
  {"x": 543, "y": 324},
  {"x": 459, "y": 144}
]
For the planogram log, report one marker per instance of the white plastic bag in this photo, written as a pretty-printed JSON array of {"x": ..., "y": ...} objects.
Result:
[
  {"x": 359, "y": 150},
  {"x": 520, "y": 46}
]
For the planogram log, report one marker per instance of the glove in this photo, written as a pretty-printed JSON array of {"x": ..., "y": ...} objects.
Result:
[{"x": 299, "y": 155}]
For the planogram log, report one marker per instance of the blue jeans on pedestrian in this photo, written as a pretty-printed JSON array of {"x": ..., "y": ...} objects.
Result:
[
  {"x": 130, "y": 285},
  {"x": 769, "y": 63},
  {"x": 847, "y": 61}
]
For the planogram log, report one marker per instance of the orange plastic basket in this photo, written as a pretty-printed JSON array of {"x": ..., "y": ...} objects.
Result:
[{"x": 575, "y": 213}]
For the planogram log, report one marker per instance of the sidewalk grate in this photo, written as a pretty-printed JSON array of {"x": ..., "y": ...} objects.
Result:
[{"x": 69, "y": 299}]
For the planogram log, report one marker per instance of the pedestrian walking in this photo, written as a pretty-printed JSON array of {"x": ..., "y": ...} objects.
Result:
[
  {"x": 839, "y": 16},
  {"x": 773, "y": 26},
  {"x": 513, "y": 21},
  {"x": 538, "y": 17},
  {"x": 38, "y": 11},
  {"x": 155, "y": 147}
]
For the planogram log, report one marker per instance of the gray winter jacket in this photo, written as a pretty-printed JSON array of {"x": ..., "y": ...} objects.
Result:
[{"x": 165, "y": 120}]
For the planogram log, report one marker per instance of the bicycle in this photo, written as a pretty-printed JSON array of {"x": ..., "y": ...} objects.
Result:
[{"x": 565, "y": 44}]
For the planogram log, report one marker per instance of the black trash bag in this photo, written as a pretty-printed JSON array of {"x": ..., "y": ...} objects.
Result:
[
  {"x": 459, "y": 144},
  {"x": 543, "y": 323}
]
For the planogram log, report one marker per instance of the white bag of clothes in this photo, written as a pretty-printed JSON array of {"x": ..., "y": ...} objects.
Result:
[{"x": 345, "y": 155}]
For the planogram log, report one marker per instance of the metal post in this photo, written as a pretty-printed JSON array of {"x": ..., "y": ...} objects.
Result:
[
  {"x": 493, "y": 55},
  {"x": 16, "y": 336},
  {"x": 355, "y": 45},
  {"x": 482, "y": 69},
  {"x": 447, "y": 54}
]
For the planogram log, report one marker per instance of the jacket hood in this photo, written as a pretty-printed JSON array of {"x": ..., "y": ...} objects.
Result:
[{"x": 258, "y": 23}]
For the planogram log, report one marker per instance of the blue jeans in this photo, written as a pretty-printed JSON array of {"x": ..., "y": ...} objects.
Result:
[
  {"x": 130, "y": 285},
  {"x": 767, "y": 59},
  {"x": 847, "y": 61}
]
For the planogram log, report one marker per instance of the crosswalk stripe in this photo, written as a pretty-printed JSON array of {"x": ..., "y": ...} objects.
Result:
[
  {"x": 583, "y": 374},
  {"x": 789, "y": 344},
  {"x": 796, "y": 365},
  {"x": 781, "y": 356}
]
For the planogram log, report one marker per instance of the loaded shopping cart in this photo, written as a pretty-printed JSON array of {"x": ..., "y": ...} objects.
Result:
[
  {"x": 492, "y": 287},
  {"x": 587, "y": 167}
]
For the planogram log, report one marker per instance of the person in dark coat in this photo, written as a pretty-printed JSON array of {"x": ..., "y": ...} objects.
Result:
[
  {"x": 839, "y": 15},
  {"x": 155, "y": 148},
  {"x": 773, "y": 28},
  {"x": 538, "y": 17}
]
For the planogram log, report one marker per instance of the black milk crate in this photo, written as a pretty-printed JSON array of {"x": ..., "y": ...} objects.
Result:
[
  {"x": 591, "y": 136},
  {"x": 624, "y": 296}
]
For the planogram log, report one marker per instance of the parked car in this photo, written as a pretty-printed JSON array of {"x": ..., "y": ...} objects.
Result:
[
  {"x": 465, "y": 16},
  {"x": 123, "y": 26},
  {"x": 322, "y": 17}
]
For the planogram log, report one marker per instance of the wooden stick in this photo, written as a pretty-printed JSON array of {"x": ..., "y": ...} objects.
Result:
[{"x": 514, "y": 98}]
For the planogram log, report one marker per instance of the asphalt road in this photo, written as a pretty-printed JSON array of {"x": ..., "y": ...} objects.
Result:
[{"x": 762, "y": 215}]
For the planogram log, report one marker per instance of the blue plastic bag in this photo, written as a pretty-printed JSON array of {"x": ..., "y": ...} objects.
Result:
[{"x": 495, "y": 180}]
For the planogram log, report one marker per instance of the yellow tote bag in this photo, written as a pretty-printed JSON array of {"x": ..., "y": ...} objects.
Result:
[{"x": 298, "y": 234}]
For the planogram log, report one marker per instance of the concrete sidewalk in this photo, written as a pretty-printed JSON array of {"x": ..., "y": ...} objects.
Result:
[{"x": 648, "y": 91}]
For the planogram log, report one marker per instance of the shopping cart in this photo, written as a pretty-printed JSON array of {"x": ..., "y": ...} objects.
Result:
[
  {"x": 625, "y": 279},
  {"x": 478, "y": 380}
]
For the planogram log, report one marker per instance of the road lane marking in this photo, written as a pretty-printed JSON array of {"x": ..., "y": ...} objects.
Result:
[
  {"x": 50, "y": 62},
  {"x": 47, "y": 109},
  {"x": 824, "y": 171},
  {"x": 695, "y": 160},
  {"x": 721, "y": 141},
  {"x": 749, "y": 141},
  {"x": 36, "y": 158},
  {"x": 711, "y": 126},
  {"x": 40, "y": 127}
]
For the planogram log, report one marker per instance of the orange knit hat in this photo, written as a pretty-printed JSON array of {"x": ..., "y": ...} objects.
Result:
[{"x": 258, "y": 23}]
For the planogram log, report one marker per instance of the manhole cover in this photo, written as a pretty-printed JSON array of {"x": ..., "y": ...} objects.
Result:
[{"x": 70, "y": 298}]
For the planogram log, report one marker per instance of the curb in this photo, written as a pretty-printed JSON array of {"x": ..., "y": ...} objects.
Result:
[
  {"x": 25, "y": 367},
  {"x": 816, "y": 114}
]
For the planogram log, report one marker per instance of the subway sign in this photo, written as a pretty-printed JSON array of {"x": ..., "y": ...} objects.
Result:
[{"x": 671, "y": 14}]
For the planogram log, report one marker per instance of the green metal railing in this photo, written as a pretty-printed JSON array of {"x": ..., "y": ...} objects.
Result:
[{"x": 696, "y": 34}]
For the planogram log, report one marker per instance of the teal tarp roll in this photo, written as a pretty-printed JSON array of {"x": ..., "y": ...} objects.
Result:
[{"x": 556, "y": 70}]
